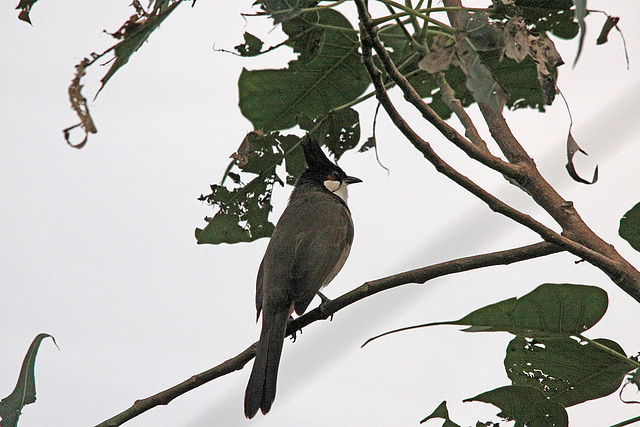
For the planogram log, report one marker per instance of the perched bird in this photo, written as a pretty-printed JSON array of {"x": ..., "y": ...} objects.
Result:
[{"x": 309, "y": 246}]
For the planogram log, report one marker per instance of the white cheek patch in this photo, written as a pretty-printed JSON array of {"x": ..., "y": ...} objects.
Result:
[
  {"x": 338, "y": 188},
  {"x": 332, "y": 185}
]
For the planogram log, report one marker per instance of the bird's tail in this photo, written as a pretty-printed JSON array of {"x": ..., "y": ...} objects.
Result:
[{"x": 261, "y": 390}]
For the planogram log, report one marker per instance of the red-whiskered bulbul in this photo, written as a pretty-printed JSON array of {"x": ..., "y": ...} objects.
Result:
[{"x": 309, "y": 246}]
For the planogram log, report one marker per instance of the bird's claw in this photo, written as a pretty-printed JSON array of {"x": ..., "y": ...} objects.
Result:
[
  {"x": 294, "y": 334},
  {"x": 323, "y": 304}
]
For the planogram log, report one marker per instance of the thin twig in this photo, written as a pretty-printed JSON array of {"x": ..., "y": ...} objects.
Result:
[
  {"x": 327, "y": 309},
  {"x": 375, "y": 140},
  {"x": 448, "y": 96}
]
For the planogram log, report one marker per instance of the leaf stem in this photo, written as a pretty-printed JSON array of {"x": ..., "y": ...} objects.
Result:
[
  {"x": 373, "y": 92},
  {"x": 627, "y": 422},
  {"x": 417, "y": 14},
  {"x": 425, "y": 28},
  {"x": 412, "y": 18},
  {"x": 426, "y": 11}
]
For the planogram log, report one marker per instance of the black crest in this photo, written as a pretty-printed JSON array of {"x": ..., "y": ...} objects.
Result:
[{"x": 315, "y": 157}]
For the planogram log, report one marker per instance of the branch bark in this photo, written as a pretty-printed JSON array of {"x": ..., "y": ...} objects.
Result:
[{"x": 328, "y": 308}]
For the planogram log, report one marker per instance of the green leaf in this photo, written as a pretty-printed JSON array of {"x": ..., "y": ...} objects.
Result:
[
  {"x": 283, "y": 10},
  {"x": 243, "y": 212},
  {"x": 294, "y": 158},
  {"x": 520, "y": 81},
  {"x": 368, "y": 144},
  {"x": 264, "y": 154},
  {"x": 134, "y": 34},
  {"x": 548, "y": 310},
  {"x": 580, "y": 13},
  {"x": 630, "y": 227},
  {"x": 338, "y": 131},
  {"x": 441, "y": 412},
  {"x": 527, "y": 406},
  {"x": 252, "y": 45},
  {"x": 565, "y": 370},
  {"x": 25, "y": 391},
  {"x": 25, "y": 9},
  {"x": 327, "y": 74}
]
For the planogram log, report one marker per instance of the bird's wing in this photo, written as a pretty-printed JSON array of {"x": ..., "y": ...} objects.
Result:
[
  {"x": 259, "y": 280},
  {"x": 319, "y": 256}
]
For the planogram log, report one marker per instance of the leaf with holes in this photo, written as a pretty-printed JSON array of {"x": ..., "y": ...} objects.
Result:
[
  {"x": 243, "y": 209},
  {"x": 134, "y": 34},
  {"x": 541, "y": 16},
  {"x": 338, "y": 131},
  {"x": 566, "y": 371},
  {"x": 527, "y": 406},
  {"x": 243, "y": 213},
  {"x": 252, "y": 45}
]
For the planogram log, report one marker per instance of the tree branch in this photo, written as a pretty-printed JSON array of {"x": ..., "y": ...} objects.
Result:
[
  {"x": 454, "y": 104},
  {"x": 369, "y": 40},
  {"x": 577, "y": 237},
  {"x": 328, "y": 308}
]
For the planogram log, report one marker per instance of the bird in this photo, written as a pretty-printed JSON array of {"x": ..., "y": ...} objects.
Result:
[{"x": 308, "y": 247}]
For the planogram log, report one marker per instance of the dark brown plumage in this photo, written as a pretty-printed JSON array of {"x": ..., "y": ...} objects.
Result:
[{"x": 309, "y": 246}]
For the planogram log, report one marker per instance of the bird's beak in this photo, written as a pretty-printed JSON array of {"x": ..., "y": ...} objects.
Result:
[{"x": 352, "y": 180}]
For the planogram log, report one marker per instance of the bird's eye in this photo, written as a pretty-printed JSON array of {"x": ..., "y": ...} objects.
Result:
[{"x": 334, "y": 176}]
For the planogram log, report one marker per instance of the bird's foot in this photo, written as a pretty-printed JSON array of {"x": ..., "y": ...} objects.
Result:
[{"x": 294, "y": 334}]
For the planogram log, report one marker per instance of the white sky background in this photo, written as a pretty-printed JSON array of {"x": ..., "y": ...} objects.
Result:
[{"x": 97, "y": 245}]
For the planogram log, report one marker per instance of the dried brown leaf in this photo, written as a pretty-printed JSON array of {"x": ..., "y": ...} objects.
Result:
[
  {"x": 241, "y": 156},
  {"x": 79, "y": 105},
  {"x": 572, "y": 149},
  {"x": 545, "y": 55},
  {"x": 516, "y": 37},
  {"x": 609, "y": 24},
  {"x": 441, "y": 56}
]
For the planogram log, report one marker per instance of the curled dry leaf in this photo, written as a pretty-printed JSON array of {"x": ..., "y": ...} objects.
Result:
[
  {"x": 79, "y": 105},
  {"x": 572, "y": 149},
  {"x": 241, "y": 156},
  {"x": 609, "y": 24}
]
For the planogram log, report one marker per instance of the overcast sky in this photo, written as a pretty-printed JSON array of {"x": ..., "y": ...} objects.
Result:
[{"x": 97, "y": 245}]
